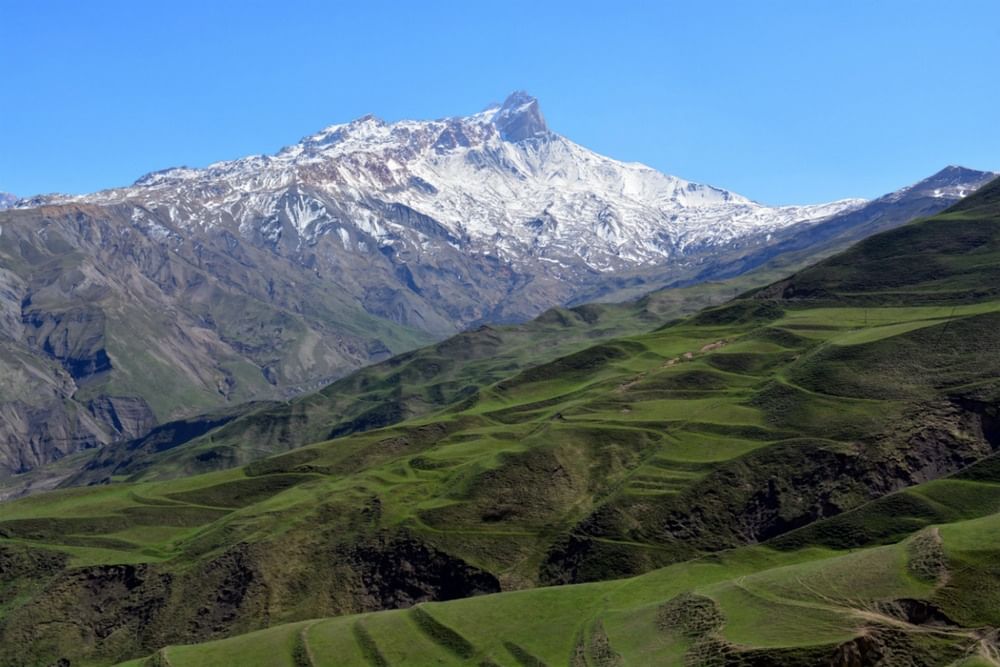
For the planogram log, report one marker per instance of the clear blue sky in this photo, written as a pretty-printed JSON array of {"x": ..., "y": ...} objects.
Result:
[{"x": 784, "y": 102}]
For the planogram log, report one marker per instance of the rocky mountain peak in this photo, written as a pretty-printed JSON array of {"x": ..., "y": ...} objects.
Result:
[
  {"x": 368, "y": 119},
  {"x": 520, "y": 118},
  {"x": 952, "y": 182},
  {"x": 953, "y": 175}
]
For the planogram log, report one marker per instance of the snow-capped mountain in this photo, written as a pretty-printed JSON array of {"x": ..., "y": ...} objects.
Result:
[
  {"x": 6, "y": 200},
  {"x": 497, "y": 183},
  {"x": 266, "y": 276},
  {"x": 951, "y": 183}
]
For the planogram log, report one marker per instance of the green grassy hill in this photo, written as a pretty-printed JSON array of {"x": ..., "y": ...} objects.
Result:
[
  {"x": 731, "y": 461},
  {"x": 919, "y": 601}
]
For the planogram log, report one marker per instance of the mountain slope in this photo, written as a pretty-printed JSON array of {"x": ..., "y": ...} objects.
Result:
[
  {"x": 423, "y": 381},
  {"x": 383, "y": 394},
  {"x": 802, "y": 243},
  {"x": 753, "y": 421},
  {"x": 268, "y": 276},
  {"x": 230, "y": 322},
  {"x": 107, "y": 331}
]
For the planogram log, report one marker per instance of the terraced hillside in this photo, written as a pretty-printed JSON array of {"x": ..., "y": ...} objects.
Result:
[
  {"x": 791, "y": 417},
  {"x": 406, "y": 386},
  {"x": 918, "y": 601}
]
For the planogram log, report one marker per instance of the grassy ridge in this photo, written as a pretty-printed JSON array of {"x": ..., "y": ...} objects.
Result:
[
  {"x": 909, "y": 602},
  {"x": 818, "y": 604},
  {"x": 407, "y": 386}
]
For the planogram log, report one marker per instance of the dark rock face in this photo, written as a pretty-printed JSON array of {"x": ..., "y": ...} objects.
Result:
[
  {"x": 769, "y": 493},
  {"x": 130, "y": 417},
  {"x": 231, "y": 588},
  {"x": 75, "y": 338},
  {"x": 110, "y": 613},
  {"x": 879, "y": 645},
  {"x": 107, "y": 606},
  {"x": 886, "y": 645},
  {"x": 401, "y": 572},
  {"x": 452, "y": 137},
  {"x": 17, "y": 562},
  {"x": 916, "y": 612},
  {"x": 520, "y": 118},
  {"x": 31, "y": 435}
]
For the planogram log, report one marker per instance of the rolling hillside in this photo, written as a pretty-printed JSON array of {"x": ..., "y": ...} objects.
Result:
[
  {"x": 730, "y": 460},
  {"x": 918, "y": 601}
]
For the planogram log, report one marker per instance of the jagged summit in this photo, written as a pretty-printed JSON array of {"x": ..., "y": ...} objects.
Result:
[{"x": 520, "y": 118}]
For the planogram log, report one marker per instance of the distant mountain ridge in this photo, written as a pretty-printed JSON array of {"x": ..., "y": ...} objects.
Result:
[
  {"x": 924, "y": 198},
  {"x": 803, "y": 242},
  {"x": 6, "y": 200},
  {"x": 497, "y": 184}
]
